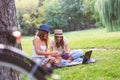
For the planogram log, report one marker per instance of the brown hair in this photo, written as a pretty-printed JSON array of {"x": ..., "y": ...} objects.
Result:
[
  {"x": 41, "y": 34},
  {"x": 57, "y": 45}
]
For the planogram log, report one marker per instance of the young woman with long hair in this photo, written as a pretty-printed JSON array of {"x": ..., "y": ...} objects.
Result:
[
  {"x": 60, "y": 44},
  {"x": 40, "y": 46}
]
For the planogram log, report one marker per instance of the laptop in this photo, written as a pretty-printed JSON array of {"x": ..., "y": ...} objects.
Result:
[{"x": 87, "y": 56}]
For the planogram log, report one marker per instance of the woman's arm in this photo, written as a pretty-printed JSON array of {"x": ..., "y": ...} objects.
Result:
[
  {"x": 37, "y": 43},
  {"x": 51, "y": 48},
  {"x": 66, "y": 49},
  {"x": 51, "y": 45}
]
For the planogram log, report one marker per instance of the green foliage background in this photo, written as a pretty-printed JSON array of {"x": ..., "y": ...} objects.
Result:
[
  {"x": 69, "y": 15},
  {"x": 109, "y": 11}
]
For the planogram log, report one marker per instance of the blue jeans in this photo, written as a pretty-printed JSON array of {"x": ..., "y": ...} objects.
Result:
[{"x": 77, "y": 53}]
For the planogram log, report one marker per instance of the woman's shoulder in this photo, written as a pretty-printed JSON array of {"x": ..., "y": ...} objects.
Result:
[
  {"x": 36, "y": 38},
  {"x": 65, "y": 40}
]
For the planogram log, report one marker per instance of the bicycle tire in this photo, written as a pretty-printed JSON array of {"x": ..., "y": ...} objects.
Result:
[{"x": 15, "y": 58}]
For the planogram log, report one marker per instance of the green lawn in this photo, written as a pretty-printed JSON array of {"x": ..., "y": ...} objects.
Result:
[{"x": 107, "y": 66}]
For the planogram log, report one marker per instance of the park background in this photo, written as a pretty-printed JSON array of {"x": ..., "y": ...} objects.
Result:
[{"x": 88, "y": 24}]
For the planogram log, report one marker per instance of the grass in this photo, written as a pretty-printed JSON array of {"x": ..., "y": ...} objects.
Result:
[
  {"x": 107, "y": 66},
  {"x": 93, "y": 38},
  {"x": 27, "y": 45}
]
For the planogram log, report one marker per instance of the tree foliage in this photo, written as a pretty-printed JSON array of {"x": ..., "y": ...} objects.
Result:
[
  {"x": 63, "y": 14},
  {"x": 109, "y": 11},
  {"x": 53, "y": 14},
  {"x": 90, "y": 14},
  {"x": 66, "y": 14},
  {"x": 25, "y": 11},
  {"x": 72, "y": 13}
]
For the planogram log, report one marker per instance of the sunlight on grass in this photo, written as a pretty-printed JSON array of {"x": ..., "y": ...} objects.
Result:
[
  {"x": 93, "y": 38},
  {"x": 27, "y": 45}
]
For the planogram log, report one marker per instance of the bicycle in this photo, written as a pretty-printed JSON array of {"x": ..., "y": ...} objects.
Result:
[{"x": 15, "y": 58}]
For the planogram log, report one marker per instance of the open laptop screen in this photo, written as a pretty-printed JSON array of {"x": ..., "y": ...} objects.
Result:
[{"x": 86, "y": 56}]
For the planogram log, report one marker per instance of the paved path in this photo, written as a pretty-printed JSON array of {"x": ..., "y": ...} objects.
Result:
[{"x": 101, "y": 48}]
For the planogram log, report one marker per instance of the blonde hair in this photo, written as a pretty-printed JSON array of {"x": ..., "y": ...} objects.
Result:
[{"x": 41, "y": 35}]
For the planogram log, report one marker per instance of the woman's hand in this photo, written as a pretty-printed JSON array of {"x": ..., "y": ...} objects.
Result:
[
  {"x": 63, "y": 52},
  {"x": 54, "y": 54}
]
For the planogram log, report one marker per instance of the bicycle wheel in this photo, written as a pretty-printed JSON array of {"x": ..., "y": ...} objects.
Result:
[{"x": 16, "y": 59}]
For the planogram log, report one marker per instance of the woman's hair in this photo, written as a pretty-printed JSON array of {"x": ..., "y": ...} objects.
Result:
[
  {"x": 60, "y": 44},
  {"x": 41, "y": 34}
]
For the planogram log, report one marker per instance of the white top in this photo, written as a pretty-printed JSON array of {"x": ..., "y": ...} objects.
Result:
[
  {"x": 52, "y": 43},
  {"x": 42, "y": 48}
]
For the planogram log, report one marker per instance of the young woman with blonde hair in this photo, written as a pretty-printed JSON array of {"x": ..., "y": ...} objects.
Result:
[{"x": 40, "y": 46}]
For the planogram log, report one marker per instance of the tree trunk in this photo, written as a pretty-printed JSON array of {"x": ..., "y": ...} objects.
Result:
[{"x": 7, "y": 22}]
